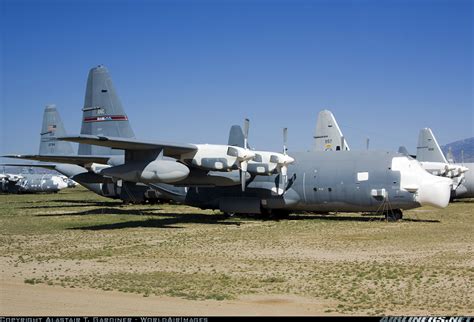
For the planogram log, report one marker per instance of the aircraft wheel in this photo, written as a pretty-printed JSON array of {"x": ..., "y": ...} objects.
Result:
[
  {"x": 265, "y": 213},
  {"x": 280, "y": 214},
  {"x": 394, "y": 215},
  {"x": 274, "y": 214}
]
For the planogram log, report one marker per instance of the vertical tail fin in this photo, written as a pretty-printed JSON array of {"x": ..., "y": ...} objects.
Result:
[
  {"x": 52, "y": 128},
  {"x": 236, "y": 136},
  {"x": 103, "y": 113},
  {"x": 328, "y": 135},
  {"x": 428, "y": 148}
]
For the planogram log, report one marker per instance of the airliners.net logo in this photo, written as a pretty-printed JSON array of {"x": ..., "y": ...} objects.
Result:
[{"x": 426, "y": 319}]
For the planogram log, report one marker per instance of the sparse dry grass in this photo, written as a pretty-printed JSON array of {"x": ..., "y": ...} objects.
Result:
[{"x": 358, "y": 264}]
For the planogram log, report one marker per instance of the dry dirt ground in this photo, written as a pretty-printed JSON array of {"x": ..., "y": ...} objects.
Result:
[{"x": 76, "y": 253}]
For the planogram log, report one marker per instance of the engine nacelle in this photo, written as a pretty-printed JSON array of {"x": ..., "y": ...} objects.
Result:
[
  {"x": 212, "y": 157},
  {"x": 158, "y": 171}
]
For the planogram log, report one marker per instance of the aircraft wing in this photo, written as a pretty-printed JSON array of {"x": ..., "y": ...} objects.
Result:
[
  {"x": 30, "y": 165},
  {"x": 169, "y": 149},
  {"x": 71, "y": 159}
]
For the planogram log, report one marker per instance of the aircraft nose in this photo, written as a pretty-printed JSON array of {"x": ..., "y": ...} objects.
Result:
[{"x": 435, "y": 192}]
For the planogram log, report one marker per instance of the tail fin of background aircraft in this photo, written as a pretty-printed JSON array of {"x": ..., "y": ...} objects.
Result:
[
  {"x": 428, "y": 148},
  {"x": 403, "y": 150},
  {"x": 328, "y": 135},
  {"x": 53, "y": 128},
  {"x": 103, "y": 113},
  {"x": 236, "y": 136}
]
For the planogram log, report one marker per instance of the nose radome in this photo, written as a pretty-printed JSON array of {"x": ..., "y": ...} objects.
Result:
[{"x": 435, "y": 192}]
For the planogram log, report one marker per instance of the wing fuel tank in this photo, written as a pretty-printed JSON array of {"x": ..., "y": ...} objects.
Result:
[{"x": 158, "y": 171}]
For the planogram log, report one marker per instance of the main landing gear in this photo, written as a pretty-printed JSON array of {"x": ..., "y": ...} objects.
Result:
[{"x": 393, "y": 215}]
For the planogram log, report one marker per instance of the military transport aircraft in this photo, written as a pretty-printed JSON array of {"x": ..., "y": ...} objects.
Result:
[
  {"x": 102, "y": 114},
  {"x": 30, "y": 182},
  {"x": 433, "y": 160},
  {"x": 429, "y": 154},
  {"x": 242, "y": 180},
  {"x": 465, "y": 188}
]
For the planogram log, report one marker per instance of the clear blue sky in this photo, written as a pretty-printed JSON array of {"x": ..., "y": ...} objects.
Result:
[{"x": 187, "y": 70}]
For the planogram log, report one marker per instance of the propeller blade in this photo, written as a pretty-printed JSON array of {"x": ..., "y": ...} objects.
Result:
[
  {"x": 246, "y": 132},
  {"x": 285, "y": 139},
  {"x": 243, "y": 174},
  {"x": 284, "y": 176}
]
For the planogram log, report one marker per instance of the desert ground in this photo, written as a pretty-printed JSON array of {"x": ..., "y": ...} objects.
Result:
[{"x": 76, "y": 253}]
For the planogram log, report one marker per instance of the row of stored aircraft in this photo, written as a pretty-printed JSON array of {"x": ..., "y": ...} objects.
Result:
[
  {"x": 329, "y": 137},
  {"x": 232, "y": 177}
]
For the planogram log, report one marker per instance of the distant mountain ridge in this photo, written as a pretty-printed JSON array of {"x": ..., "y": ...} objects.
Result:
[{"x": 466, "y": 145}]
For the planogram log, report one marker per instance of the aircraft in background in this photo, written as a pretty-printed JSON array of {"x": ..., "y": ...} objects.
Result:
[
  {"x": 328, "y": 136},
  {"x": 429, "y": 153},
  {"x": 30, "y": 182},
  {"x": 103, "y": 114},
  {"x": 238, "y": 179},
  {"x": 432, "y": 159},
  {"x": 465, "y": 188}
]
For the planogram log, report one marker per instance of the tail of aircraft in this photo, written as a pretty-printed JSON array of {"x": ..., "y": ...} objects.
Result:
[
  {"x": 103, "y": 113},
  {"x": 428, "y": 148},
  {"x": 328, "y": 135},
  {"x": 236, "y": 136},
  {"x": 53, "y": 128}
]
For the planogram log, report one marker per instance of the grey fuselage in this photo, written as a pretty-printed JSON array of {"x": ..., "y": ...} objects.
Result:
[{"x": 318, "y": 181}]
